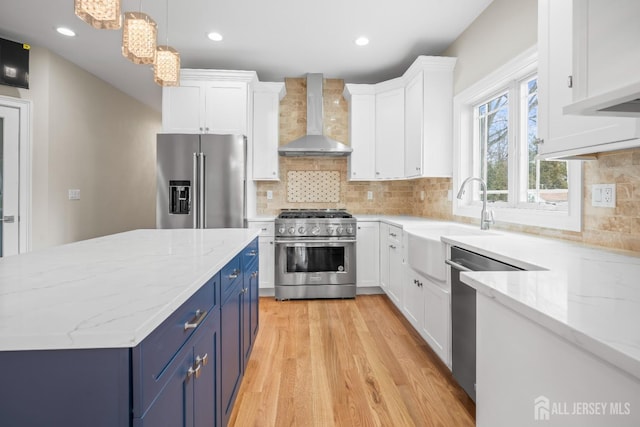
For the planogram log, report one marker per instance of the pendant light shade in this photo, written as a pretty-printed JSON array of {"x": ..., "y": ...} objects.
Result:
[
  {"x": 166, "y": 68},
  {"x": 139, "y": 38},
  {"x": 100, "y": 14}
]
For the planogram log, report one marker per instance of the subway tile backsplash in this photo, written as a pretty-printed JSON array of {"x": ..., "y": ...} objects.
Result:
[{"x": 616, "y": 228}]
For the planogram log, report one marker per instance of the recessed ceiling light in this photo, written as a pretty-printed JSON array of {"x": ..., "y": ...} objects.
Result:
[
  {"x": 362, "y": 41},
  {"x": 66, "y": 31},
  {"x": 216, "y": 37}
]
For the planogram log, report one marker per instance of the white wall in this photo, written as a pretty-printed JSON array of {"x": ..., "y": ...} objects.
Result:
[
  {"x": 505, "y": 29},
  {"x": 90, "y": 136}
]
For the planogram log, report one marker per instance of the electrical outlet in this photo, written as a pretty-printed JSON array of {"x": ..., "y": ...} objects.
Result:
[
  {"x": 603, "y": 195},
  {"x": 449, "y": 195},
  {"x": 74, "y": 194},
  {"x": 269, "y": 195},
  {"x": 369, "y": 195},
  {"x": 422, "y": 195}
]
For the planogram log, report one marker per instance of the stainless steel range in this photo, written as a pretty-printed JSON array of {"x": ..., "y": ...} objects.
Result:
[{"x": 315, "y": 254}]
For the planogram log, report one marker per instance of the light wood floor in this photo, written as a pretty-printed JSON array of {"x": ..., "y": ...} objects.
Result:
[{"x": 345, "y": 363}]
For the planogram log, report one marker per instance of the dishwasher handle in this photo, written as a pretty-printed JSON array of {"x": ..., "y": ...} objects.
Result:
[{"x": 456, "y": 265}]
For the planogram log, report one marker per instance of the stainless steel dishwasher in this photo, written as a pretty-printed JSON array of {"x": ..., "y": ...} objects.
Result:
[{"x": 463, "y": 314}]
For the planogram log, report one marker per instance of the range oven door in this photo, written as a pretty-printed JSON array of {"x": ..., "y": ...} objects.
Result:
[{"x": 315, "y": 262}]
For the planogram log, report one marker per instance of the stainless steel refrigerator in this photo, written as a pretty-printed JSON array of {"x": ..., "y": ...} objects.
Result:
[{"x": 201, "y": 181}]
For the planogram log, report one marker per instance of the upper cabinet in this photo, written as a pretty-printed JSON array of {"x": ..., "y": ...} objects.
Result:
[
  {"x": 389, "y": 145},
  {"x": 402, "y": 128},
  {"x": 428, "y": 117},
  {"x": 564, "y": 135},
  {"x": 266, "y": 119},
  {"x": 208, "y": 101},
  {"x": 362, "y": 131},
  {"x": 606, "y": 58}
]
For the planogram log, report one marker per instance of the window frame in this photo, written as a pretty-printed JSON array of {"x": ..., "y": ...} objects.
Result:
[{"x": 499, "y": 81}]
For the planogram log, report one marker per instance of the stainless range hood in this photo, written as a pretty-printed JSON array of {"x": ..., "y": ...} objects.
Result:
[{"x": 314, "y": 143}]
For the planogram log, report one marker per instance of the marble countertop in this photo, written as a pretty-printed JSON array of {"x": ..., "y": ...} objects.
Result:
[
  {"x": 588, "y": 296},
  {"x": 107, "y": 292}
]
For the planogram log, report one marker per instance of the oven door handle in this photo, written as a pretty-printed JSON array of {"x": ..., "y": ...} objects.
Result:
[
  {"x": 456, "y": 265},
  {"x": 314, "y": 241}
]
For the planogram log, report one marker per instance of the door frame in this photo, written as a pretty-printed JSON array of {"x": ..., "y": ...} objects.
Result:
[{"x": 24, "y": 107}]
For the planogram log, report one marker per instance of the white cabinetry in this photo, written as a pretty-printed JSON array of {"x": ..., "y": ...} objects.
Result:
[
  {"x": 208, "y": 101},
  {"x": 391, "y": 263},
  {"x": 368, "y": 254},
  {"x": 362, "y": 131},
  {"x": 567, "y": 135},
  {"x": 428, "y": 117},
  {"x": 266, "y": 115},
  {"x": 267, "y": 254},
  {"x": 413, "y": 298},
  {"x": 402, "y": 128},
  {"x": 389, "y": 152}
]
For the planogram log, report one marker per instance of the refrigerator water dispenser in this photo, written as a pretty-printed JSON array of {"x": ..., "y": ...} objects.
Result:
[{"x": 180, "y": 197}]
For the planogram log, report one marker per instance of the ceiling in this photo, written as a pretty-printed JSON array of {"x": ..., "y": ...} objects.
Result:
[{"x": 276, "y": 38}]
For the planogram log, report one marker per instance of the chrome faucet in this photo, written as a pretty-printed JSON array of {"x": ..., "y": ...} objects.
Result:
[{"x": 486, "y": 216}]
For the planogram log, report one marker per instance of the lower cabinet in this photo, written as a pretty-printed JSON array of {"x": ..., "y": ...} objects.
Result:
[
  {"x": 427, "y": 306},
  {"x": 191, "y": 394},
  {"x": 368, "y": 254},
  {"x": 186, "y": 373}
]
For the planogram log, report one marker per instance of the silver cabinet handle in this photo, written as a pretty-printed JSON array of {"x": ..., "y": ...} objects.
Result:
[
  {"x": 197, "y": 319},
  {"x": 393, "y": 234},
  {"x": 234, "y": 274},
  {"x": 190, "y": 372},
  {"x": 253, "y": 252},
  {"x": 254, "y": 274},
  {"x": 392, "y": 246},
  {"x": 456, "y": 265},
  {"x": 202, "y": 360},
  {"x": 9, "y": 219}
]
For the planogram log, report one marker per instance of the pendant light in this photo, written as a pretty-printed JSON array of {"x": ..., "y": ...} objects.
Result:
[
  {"x": 139, "y": 38},
  {"x": 166, "y": 67},
  {"x": 100, "y": 14}
]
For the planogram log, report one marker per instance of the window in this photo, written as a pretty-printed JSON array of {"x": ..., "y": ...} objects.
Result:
[{"x": 496, "y": 135}]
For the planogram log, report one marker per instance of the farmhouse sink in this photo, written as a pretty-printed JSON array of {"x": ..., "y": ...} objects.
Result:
[{"x": 426, "y": 252}]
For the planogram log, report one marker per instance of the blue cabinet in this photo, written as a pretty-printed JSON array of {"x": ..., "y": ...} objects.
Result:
[{"x": 187, "y": 372}]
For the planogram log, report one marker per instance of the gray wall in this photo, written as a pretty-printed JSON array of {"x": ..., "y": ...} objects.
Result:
[
  {"x": 505, "y": 29},
  {"x": 90, "y": 136}
]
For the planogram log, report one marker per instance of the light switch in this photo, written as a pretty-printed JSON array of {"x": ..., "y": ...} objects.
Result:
[
  {"x": 74, "y": 194},
  {"x": 603, "y": 195}
]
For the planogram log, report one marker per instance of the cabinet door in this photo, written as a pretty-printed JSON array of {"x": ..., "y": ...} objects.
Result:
[
  {"x": 384, "y": 257},
  {"x": 254, "y": 280},
  {"x": 182, "y": 108},
  {"x": 267, "y": 262},
  {"x": 560, "y": 132},
  {"x": 362, "y": 137},
  {"x": 390, "y": 134},
  {"x": 437, "y": 319},
  {"x": 206, "y": 384},
  {"x": 174, "y": 405},
  {"x": 225, "y": 108},
  {"x": 266, "y": 112},
  {"x": 395, "y": 272},
  {"x": 368, "y": 254},
  {"x": 414, "y": 126},
  {"x": 413, "y": 299},
  {"x": 231, "y": 358}
]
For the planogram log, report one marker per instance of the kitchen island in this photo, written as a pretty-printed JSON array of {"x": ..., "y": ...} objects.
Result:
[{"x": 126, "y": 329}]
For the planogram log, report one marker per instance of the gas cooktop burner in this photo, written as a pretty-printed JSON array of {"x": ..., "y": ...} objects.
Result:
[{"x": 313, "y": 213}]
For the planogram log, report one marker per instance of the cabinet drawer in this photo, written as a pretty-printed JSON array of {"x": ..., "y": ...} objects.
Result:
[
  {"x": 267, "y": 228},
  {"x": 395, "y": 233},
  {"x": 230, "y": 274},
  {"x": 250, "y": 253},
  {"x": 155, "y": 353}
]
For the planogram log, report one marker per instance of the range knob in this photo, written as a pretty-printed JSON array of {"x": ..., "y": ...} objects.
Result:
[
  {"x": 281, "y": 230},
  {"x": 349, "y": 229},
  {"x": 329, "y": 230},
  {"x": 339, "y": 230},
  {"x": 302, "y": 230},
  {"x": 292, "y": 230},
  {"x": 315, "y": 231}
]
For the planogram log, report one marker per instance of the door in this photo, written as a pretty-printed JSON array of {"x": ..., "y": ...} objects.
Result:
[
  {"x": 176, "y": 203},
  {"x": 9, "y": 180},
  {"x": 224, "y": 184}
]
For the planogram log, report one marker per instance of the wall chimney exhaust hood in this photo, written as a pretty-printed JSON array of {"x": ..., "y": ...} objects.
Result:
[
  {"x": 621, "y": 102},
  {"x": 314, "y": 143}
]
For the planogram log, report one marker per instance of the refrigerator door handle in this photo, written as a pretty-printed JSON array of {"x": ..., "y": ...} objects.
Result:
[
  {"x": 196, "y": 192},
  {"x": 202, "y": 191}
]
